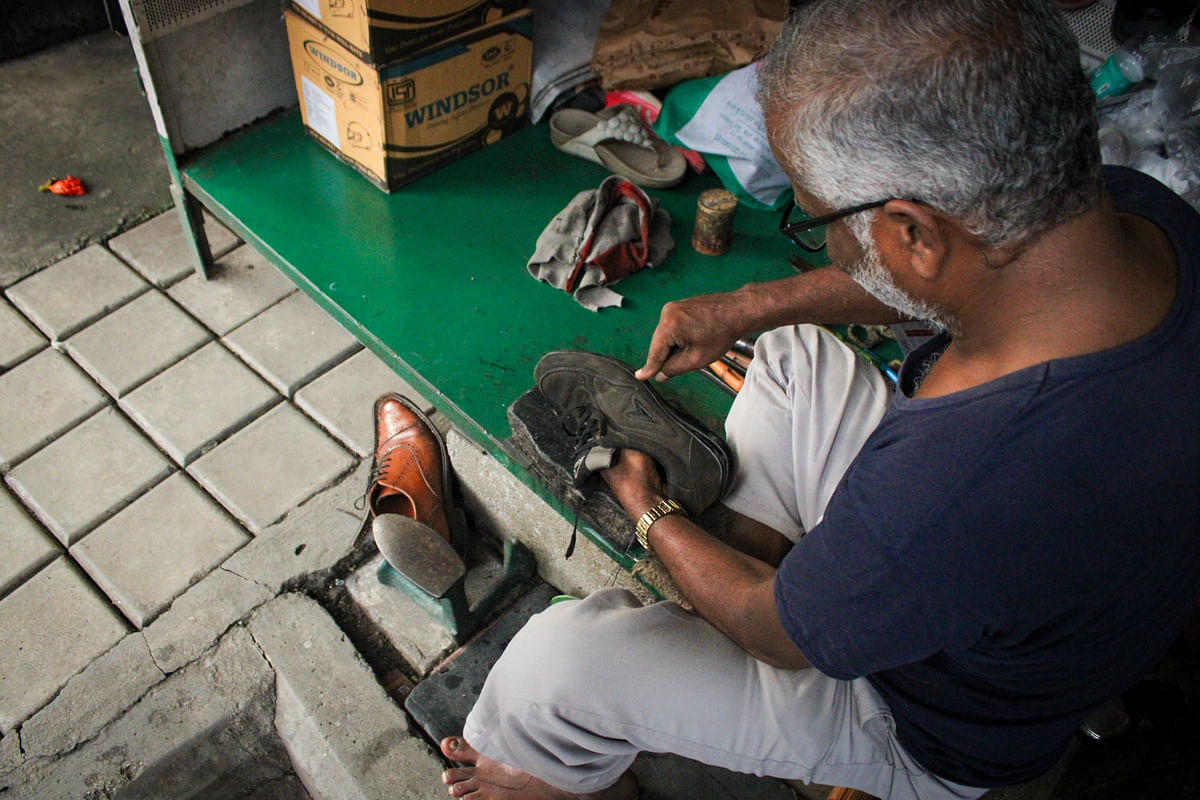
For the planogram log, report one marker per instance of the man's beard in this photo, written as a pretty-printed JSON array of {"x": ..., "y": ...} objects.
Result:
[{"x": 870, "y": 273}]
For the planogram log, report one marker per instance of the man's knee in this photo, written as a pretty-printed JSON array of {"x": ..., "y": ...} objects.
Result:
[{"x": 567, "y": 648}]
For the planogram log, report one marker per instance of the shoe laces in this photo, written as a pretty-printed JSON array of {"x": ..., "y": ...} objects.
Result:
[
  {"x": 380, "y": 468},
  {"x": 377, "y": 471},
  {"x": 584, "y": 424}
]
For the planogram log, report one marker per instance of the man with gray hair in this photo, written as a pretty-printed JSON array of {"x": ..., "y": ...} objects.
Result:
[{"x": 919, "y": 593}]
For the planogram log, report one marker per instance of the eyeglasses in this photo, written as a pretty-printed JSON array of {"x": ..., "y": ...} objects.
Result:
[{"x": 809, "y": 232}]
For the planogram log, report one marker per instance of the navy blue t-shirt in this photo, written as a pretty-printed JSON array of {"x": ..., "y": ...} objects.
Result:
[{"x": 1000, "y": 561}]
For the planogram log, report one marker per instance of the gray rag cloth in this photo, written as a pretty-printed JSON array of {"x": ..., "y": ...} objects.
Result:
[
  {"x": 564, "y": 33},
  {"x": 601, "y": 236}
]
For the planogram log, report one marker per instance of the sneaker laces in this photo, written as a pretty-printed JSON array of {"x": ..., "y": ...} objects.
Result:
[{"x": 584, "y": 426}]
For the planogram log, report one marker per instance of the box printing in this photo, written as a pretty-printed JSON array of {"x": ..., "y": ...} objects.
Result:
[
  {"x": 379, "y": 31},
  {"x": 405, "y": 119}
]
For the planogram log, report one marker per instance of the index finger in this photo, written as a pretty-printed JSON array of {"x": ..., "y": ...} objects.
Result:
[{"x": 661, "y": 349}]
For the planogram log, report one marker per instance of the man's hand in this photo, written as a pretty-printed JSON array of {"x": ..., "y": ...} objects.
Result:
[
  {"x": 635, "y": 481},
  {"x": 695, "y": 332},
  {"x": 691, "y": 334}
]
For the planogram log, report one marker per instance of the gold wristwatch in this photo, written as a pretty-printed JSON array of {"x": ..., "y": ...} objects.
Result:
[{"x": 653, "y": 515}]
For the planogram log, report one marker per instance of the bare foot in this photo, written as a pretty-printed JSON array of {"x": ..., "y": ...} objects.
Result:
[{"x": 485, "y": 779}]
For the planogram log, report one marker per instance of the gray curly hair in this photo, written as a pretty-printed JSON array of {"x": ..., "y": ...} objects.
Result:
[{"x": 979, "y": 108}]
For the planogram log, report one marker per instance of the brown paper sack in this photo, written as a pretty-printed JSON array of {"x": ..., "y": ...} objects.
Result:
[{"x": 652, "y": 44}]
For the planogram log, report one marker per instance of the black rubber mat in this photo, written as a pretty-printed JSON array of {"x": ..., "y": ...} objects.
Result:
[{"x": 441, "y": 702}]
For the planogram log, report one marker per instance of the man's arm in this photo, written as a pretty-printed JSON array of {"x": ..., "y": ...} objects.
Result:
[
  {"x": 730, "y": 589},
  {"x": 695, "y": 332}
]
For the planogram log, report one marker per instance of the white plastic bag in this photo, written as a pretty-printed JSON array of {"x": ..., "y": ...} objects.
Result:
[{"x": 720, "y": 118}]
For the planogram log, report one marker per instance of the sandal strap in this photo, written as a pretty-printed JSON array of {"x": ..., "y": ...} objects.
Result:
[{"x": 625, "y": 125}]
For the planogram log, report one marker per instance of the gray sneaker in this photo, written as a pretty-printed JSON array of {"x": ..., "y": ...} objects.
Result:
[{"x": 606, "y": 408}]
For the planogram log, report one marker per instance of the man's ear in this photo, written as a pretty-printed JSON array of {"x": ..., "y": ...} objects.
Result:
[{"x": 910, "y": 233}]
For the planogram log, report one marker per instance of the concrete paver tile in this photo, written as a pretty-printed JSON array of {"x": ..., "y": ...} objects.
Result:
[
  {"x": 343, "y": 399},
  {"x": 159, "y": 251},
  {"x": 18, "y": 339},
  {"x": 199, "y": 617},
  {"x": 273, "y": 465},
  {"x": 54, "y": 625},
  {"x": 199, "y": 401},
  {"x": 87, "y": 474},
  {"x": 24, "y": 547},
  {"x": 292, "y": 342},
  {"x": 92, "y": 699},
  {"x": 415, "y": 633},
  {"x": 81, "y": 288},
  {"x": 241, "y": 285},
  {"x": 153, "y": 550},
  {"x": 39, "y": 399},
  {"x": 135, "y": 342},
  {"x": 310, "y": 539}
]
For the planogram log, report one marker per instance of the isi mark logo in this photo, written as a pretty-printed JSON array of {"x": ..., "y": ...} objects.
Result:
[{"x": 497, "y": 52}]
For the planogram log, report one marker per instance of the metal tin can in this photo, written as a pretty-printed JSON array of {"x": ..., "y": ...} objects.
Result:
[{"x": 714, "y": 221}]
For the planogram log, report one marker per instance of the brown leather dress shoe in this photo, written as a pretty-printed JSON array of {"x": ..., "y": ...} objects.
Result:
[{"x": 412, "y": 470}]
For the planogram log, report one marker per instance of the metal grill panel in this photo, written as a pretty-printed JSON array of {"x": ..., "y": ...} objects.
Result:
[
  {"x": 1093, "y": 28},
  {"x": 158, "y": 17}
]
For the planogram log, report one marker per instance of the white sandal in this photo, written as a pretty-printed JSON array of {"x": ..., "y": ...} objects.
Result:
[{"x": 616, "y": 138}]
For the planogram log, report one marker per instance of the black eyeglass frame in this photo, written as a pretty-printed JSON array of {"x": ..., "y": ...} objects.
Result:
[{"x": 792, "y": 229}]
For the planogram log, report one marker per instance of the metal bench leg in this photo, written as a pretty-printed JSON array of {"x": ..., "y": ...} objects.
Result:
[{"x": 191, "y": 216}]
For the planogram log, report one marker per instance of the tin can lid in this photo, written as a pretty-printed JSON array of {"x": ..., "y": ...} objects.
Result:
[{"x": 717, "y": 200}]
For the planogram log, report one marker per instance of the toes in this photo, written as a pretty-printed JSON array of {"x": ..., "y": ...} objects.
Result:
[
  {"x": 463, "y": 788},
  {"x": 449, "y": 746},
  {"x": 460, "y": 781},
  {"x": 457, "y": 775},
  {"x": 456, "y": 748}
]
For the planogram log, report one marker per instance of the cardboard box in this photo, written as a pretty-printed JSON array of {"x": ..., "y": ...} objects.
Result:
[
  {"x": 381, "y": 31},
  {"x": 403, "y": 120}
]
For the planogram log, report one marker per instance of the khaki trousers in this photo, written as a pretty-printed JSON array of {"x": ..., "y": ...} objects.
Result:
[{"x": 586, "y": 685}]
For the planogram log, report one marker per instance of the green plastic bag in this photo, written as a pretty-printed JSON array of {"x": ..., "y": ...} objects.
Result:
[{"x": 720, "y": 118}]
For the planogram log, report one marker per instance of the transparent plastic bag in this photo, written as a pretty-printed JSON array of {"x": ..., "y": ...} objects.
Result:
[
  {"x": 1156, "y": 129},
  {"x": 1182, "y": 146},
  {"x": 1177, "y": 82}
]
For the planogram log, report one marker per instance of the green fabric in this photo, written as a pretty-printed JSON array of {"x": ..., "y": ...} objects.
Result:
[{"x": 681, "y": 104}]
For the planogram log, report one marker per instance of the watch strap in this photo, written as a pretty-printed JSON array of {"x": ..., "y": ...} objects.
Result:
[{"x": 653, "y": 515}]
